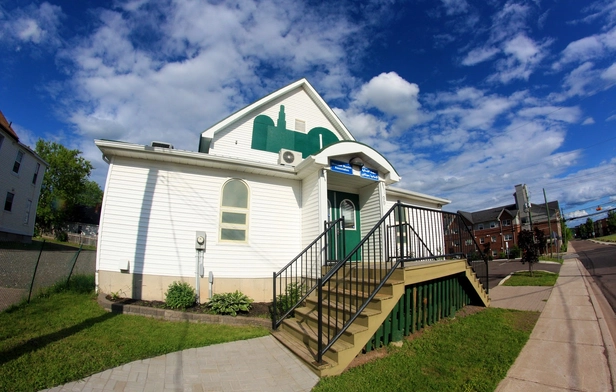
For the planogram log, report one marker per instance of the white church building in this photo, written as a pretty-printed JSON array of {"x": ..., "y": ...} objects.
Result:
[{"x": 254, "y": 193}]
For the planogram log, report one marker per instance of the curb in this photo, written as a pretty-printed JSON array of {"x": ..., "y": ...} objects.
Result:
[
  {"x": 176, "y": 315},
  {"x": 599, "y": 303}
]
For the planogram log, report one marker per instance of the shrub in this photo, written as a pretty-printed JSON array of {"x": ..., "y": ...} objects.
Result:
[
  {"x": 284, "y": 302},
  {"x": 61, "y": 235},
  {"x": 514, "y": 252},
  {"x": 229, "y": 303},
  {"x": 180, "y": 295}
]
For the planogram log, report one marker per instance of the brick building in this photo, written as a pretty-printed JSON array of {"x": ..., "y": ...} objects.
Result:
[{"x": 500, "y": 226}]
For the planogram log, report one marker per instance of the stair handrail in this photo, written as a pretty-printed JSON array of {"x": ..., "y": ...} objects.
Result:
[
  {"x": 399, "y": 259},
  {"x": 337, "y": 228}
]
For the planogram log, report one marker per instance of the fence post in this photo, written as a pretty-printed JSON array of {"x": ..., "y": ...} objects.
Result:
[
  {"x": 35, "y": 268},
  {"x": 274, "y": 316},
  {"x": 74, "y": 262}
]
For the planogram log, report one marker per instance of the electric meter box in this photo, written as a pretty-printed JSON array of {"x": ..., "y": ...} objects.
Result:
[{"x": 200, "y": 240}]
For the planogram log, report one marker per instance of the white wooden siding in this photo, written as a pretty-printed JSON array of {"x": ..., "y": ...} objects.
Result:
[
  {"x": 236, "y": 140},
  {"x": 152, "y": 213},
  {"x": 311, "y": 226},
  {"x": 20, "y": 185},
  {"x": 370, "y": 207}
]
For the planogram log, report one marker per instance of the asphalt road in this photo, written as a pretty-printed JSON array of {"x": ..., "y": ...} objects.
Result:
[
  {"x": 500, "y": 269},
  {"x": 600, "y": 261}
]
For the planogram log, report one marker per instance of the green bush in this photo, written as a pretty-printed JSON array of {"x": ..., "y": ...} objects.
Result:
[
  {"x": 61, "y": 235},
  {"x": 514, "y": 252},
  {"x": 284, "y": 302},
  {"x": 229, "y": 303},
  {"x": 180, "y": 295}
]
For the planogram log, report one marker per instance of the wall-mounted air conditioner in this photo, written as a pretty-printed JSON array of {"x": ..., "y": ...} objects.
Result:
[{"x": 289, "y": 157}]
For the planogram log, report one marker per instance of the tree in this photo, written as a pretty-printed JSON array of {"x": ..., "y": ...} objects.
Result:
[
  {"x": 530, "y": 252},
  {"x": 611, "y": 221},
  {"x": 590, "y": 228},
  {"x": 540, "y": 240},
  {"x": 65, "y": 186}
]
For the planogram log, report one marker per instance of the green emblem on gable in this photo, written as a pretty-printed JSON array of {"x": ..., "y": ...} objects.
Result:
[{"x": 269, "y": 137}]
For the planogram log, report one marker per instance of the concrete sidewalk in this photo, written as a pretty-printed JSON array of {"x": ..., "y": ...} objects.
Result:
[{"x": 571, "y": 347}]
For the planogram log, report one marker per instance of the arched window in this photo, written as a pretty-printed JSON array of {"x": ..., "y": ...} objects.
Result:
[
  {"x": 347, "y": 209},
  {"x": 234, "y": 211}
]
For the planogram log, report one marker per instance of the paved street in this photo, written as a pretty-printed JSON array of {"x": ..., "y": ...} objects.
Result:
[{"x": 600, "y": 261}]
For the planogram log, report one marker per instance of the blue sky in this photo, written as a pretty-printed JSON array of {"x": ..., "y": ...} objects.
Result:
[{"x": 466, "y": 98}]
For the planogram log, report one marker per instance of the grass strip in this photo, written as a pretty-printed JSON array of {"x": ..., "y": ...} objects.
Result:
[
  {"x": 539, "y": 278},
  {"x": 65, "y": 336},
  {"x": 554, "y": 259},
  {"x": 472, "y": 353}
]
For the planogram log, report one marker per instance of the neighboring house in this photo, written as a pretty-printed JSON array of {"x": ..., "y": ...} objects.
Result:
[
  {"x": 21, "y": 176},
  {"x": 500, "y": 226},
  {"x": 259, "y": 190}
]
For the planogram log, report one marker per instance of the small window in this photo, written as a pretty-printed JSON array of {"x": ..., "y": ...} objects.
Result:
[
  {"x": 27, "y": 216},
  {"x": 493, "y": 239},
  {"x": 481, "y": 240},
  {"x": 36, "y": 172},
  {"x": 347, "y": 210},
  {"x": 234, "y": 212},
  {"x": 17, "y": 164},
  {"x": 8, "y": 202},
  {"x": 508, "y": 237},
  {"x": 492, "y": 225},
  {"x": 480, "y": 226},
  {"x": 300, "y": 126},
  {"x": 507, "y": 222}
]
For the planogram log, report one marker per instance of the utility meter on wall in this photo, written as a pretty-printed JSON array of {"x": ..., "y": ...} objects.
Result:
[{"x": 200, "y": 239}]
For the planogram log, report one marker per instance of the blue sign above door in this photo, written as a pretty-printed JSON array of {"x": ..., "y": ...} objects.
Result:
[
  {"x": 346, "y": 168},
  {"x": 341, "y": 167}
]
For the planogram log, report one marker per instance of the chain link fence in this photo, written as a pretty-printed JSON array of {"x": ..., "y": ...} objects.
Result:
[{"x": 26, "y": 272}]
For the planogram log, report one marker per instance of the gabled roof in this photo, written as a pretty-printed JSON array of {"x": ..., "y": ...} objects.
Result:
[
  {"x": 4, "y": 124},
  {"x": 490, "y": 214},
  {"x": 257, "y": 106}
]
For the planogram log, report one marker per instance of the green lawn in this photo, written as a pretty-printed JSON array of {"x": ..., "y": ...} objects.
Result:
[
  {"x": 608, "y": 238},
  {"x": 539, "y": 278},
  {"x": 472, "y": 353},
  {"x": 548, "y": 258},
  {"x": 67, "y": 336}
]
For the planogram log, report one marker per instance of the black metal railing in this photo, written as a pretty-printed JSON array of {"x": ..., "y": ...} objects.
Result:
[
  {"x": 295, "y": 281},
  {"x": 404, "y": 234}
]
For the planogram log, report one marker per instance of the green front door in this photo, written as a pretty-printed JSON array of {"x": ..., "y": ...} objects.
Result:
[{"x": 347, "y": 205}]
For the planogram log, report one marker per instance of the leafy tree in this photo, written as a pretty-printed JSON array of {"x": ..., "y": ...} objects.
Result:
[
  {"x": 590, "y": 227},
  {"x": 530, "y": 252},
  {"x": 65, "y": 185},
  {"x": 540, "y": 240},
  {"x": 611, "y": 221}
]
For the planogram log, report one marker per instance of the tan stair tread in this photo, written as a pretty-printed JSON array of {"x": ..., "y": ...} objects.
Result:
[
  {"x": 310, "y": 332},
  {"x": 360, "y": 294},
  {"x": 313, "y": 315},
  {"x": 306, "y": 354},
  {"x": 351, "y": 309}
]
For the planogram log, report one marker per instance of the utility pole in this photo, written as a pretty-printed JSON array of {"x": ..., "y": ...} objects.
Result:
[{"x": 547, "y": 210}]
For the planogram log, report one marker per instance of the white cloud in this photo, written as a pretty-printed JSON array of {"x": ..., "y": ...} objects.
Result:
[
  {"x": 611, "y": 118},
  {"x": 588, "y": 121},
  {"x": 393, "y": 96},
  {"x": 32, "y": 25},
  {"x": 588, "y": 48},
  {"x": 610, "y": 73},
  {"x": 453, "y": 7},
  {"x": 479, "y": 55},
  {"x": 566, "y": 114},
  {"x": 523, "y": 55}
]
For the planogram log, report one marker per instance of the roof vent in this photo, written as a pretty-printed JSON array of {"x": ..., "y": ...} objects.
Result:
[{"x": 162, "y": 144}]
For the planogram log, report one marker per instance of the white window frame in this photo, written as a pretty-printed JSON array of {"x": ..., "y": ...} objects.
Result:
[
  {"x": 234, "y": 210},
  {"x": 36, "y": 172},
  {"x": 508, "y": 237},
  {"x": 493, "y": 239},
  {"x": 18, "y": 158},
  {"x": 6, "y": 200},
  {"x": 492, "y": 225},
  {"x": 480, "y": 226},
  {"x": 27, "y": 216},
  {"x": 507, "y": 222}
]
